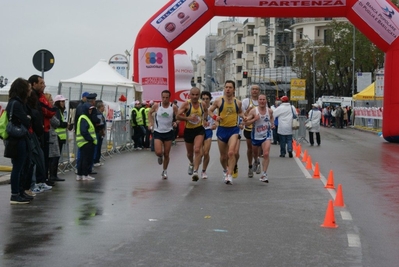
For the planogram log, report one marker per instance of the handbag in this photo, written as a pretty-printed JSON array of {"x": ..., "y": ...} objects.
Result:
[
  {"x": 295, "y": 121},
  {"x": 15, "y": 130},
  {"x": 308, "y": 123}
]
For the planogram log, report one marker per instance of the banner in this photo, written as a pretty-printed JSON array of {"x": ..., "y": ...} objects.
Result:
[{"x": 298, "y": 87}]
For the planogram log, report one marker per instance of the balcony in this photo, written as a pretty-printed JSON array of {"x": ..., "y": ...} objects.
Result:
[
  {"x": 237, "y": 76},
  {"x": 248, "y": 56},
  {"x": 262, "y": 50},
  {"x": 237, "y": 61},
  {"x": 249, "y": 40},
  {"x": 239, "y": 47}
]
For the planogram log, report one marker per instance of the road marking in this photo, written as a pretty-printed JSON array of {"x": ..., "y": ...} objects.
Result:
[
  {"x": 346, "y": 216},
  {"x": 220, "y": 230},
  {"x": 353, "y": 241},
  {"x": 304, "y": 170},
  {"x": 189, "y": 191}
]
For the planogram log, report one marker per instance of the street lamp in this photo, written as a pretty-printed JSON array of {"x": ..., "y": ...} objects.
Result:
[
  {"x": 313, "y": 64},
  {"x": 2, "y": 79},
  {"x": 128, "y": 64}
]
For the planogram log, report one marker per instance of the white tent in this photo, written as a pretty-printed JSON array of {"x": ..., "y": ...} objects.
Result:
[{"x": 103, "y": 80}]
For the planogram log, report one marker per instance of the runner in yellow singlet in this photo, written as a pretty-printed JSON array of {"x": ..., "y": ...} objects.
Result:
[
  {"x": 229, "y": 109},
  {"x": 193, "y": 113}
]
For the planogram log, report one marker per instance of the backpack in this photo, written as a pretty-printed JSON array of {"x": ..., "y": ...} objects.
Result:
[{"x": 3, "y": 125}]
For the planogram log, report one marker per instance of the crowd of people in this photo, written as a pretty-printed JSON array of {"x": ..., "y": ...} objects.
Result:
[
  {"x": 36, "y": 153},
  {"x": 154, "y": 125},
  {"x": 336, "y": 116},
  {"x": 231, "y": 118}
]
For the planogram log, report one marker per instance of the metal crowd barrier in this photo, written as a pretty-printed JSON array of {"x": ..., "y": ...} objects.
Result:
[
  {"x": 300, "y": 134},
  {"x": 117, "y": 139}
]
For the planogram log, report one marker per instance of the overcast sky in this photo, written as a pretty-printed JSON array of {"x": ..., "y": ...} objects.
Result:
[{"x": 77, "y": 33}]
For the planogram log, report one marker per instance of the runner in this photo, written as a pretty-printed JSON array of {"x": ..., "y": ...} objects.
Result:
[
  {"x": 193, "y": 113},
  {"x": 206, "y": 97},
  {"x": 165, "y": 121},
  {"x": 252, "y": 151},
  {"x": 262, "y": 119},
  {"x": 229, "y": 108}
]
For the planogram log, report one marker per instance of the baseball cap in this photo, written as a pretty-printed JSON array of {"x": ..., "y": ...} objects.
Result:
[
  {"x": 59, "y": 98},
  {"x": 285, "y": 99},
  {"x": 91, "y": 96},
  {"x": 85, "y": 94}
]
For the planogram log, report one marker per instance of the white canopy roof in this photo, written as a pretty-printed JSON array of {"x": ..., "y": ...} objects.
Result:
[{"x": 103, "y": 74}]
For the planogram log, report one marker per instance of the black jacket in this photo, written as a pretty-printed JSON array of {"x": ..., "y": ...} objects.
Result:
[{"x": 20, "y": 113}]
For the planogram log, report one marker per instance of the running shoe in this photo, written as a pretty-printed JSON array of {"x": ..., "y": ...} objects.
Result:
[
  {"x": 78, "y": 177},
  {"x": 195, "y": 176},
  {"x": 204, "y": 175},
  {"x": 254, "y": 166},
  {"x": 30, "y": 193},
  {"x": 37, "y": 190},
  {"x": 164, "y": 175},
  {"x": 263, "y": 178},
  {"x": 224, "y": 174},
  {"x": 228, "y": 179},
  {"x": 235, "y": 172},
  {"x": 250, "y": 173},
  {"x": 190, "y": 169},
  {"x": 160, "y": 160},
  {"x": 88, "y": 178},
  {"x": 258, "y": 167},
  {"x": 44, "y": 186}
]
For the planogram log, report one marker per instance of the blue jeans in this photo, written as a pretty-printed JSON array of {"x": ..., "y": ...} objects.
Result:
[
  {"x": 18, "y": 166},
  {"x": 97, "y": 148},
  {"x": 285, "y": 140}
]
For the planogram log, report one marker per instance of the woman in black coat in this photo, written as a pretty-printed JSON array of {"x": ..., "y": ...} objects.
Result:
[{"x": 20, "y": 90}]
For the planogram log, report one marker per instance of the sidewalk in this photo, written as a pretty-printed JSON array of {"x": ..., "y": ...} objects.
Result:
[{"x": 4, "y": 176}]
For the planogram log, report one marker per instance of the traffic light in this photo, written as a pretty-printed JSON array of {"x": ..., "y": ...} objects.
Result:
[
  {"x": 199, "y": 79},
  {"x": 245, "y": 74}
]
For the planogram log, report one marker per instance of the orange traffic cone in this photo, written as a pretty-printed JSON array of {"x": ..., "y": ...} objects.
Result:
[
  {"x": 329, "y": 219},
  {"x": 298, "y": 151},
  {"x": 305, "y": 156},
  {"x": 330, "y": 180},
  {"x": 309, "y": 163},
  {"x": 316, "y": 173},
  {"x": 339, "y": 198}
]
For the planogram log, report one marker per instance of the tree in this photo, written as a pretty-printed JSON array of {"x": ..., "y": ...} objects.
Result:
[{"x": 333, "y": 60}]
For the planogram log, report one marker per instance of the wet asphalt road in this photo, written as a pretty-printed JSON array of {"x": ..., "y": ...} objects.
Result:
[{"x": 128, "y": 216}]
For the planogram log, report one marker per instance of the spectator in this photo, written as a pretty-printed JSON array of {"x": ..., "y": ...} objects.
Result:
[
  {"x": 314, "y": 116},
  {"x": 59, "y": 104},
  {"x": 100, "y": 133},
  {"x": 47, "y": 111},
  {"x": 285, "y": 113},
  {"x": 86, "y": 140},
  {"x": 19, "y": 91}
]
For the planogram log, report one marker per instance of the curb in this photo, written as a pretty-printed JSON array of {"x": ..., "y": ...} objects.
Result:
[{"x": 5, "y": 179}]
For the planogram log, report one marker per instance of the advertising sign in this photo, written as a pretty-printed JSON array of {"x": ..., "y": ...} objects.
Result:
[
  {"x": 153, "y": 72},
  {"x": 178, "y": 17},
  {"x": 120, "y": 64},
  {"x": 298, "y": 87}
]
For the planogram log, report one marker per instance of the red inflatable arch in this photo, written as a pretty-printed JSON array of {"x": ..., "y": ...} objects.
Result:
[{"x": 178, "y": 20}]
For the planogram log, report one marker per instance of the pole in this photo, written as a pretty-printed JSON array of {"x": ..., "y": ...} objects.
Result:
[
  {"x": 42, "y": 52},
  {"x": 353, "y": 61},
  {"x": 285, "y": 69},
  {"x": 314, "y": 75}
]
